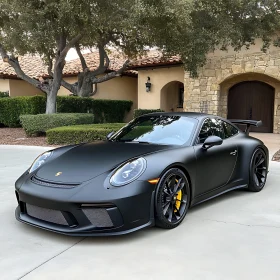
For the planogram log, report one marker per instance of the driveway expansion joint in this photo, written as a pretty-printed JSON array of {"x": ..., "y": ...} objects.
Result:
[
  {"x": 247, "y": 225},
  {"x": 21, "y": 277}
]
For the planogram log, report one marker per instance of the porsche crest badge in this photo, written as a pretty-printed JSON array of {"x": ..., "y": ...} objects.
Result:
[{"x": 58, "y": 174}]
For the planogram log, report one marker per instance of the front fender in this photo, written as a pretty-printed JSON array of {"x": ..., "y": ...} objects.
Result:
[{"x": 182, "y": 157}]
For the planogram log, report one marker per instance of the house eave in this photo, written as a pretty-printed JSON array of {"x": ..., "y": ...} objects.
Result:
[{"x": 156, "y": 66}]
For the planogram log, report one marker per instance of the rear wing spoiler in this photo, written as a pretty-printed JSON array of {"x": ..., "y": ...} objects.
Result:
[{"x": 248, "y": 124}]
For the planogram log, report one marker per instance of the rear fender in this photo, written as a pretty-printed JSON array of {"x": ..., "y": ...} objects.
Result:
[{"x": 246, "y": 147}]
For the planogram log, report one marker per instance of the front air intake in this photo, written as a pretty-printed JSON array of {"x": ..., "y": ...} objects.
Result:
[
  {"x": 47, "y": 215},
  {"x": 98, "y": 217}
]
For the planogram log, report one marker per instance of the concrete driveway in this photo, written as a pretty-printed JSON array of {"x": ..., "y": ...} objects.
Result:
[{"x": 235, "y": 236}]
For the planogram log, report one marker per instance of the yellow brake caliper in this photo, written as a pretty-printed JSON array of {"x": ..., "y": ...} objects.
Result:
[{"x": 179, "y": 199}]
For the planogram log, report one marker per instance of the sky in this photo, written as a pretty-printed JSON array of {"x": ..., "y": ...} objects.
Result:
[{"x": 72, "y": 54}]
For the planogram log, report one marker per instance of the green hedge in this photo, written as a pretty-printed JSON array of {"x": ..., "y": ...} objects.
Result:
[
  {"x": 73, "y": 104},
  {"x": 105, "y": 111},
  {"x": 140, "y": 112},
  {"x": 12, "y": 108},
  {"x": 35, "y": 125},
  {"x": 110, "y": 111},
  {"x": 81, "y": 133}
]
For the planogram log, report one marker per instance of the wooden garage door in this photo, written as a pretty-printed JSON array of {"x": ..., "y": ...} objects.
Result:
[{"x": 252, "y": 101}]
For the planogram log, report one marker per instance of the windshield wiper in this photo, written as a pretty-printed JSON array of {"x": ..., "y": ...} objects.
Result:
[
  {"x": 139, "y": 142},
  {"x": 131, "y": 141}
]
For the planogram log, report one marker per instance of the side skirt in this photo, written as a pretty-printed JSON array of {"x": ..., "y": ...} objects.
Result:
[{"x": 214, "y": 194}]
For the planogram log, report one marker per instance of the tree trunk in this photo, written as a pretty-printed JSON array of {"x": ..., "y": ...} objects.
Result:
[
  {"x": 55, "y": 86},
  {"x": 87, "y": 78},
  {"x": 51, "y": 102},
  {"x": 85, "y": 85}
]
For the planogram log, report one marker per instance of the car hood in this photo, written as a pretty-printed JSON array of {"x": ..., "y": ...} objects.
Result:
[{"x": 87, "y": 161}]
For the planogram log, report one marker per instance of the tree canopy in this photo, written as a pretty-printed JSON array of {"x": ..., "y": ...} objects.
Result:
[
  {"x": 189, "y": 28},
  {"x": 45, "y": 28},
  {"x": 50, "y": 28},
  {"x": 219, "y": 24}
]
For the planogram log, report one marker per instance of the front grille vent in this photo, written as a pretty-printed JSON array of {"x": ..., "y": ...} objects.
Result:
[
  {"x": 98, "y": 217},
  {"x": 48, "y": 215},
  {"x": 38, "y": 181}
]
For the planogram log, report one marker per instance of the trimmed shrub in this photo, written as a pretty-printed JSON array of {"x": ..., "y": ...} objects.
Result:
[
  {"x": 9, "y": 112},
  {"x": 12, "y": 108},
  {"x": 35, "y": 125},
  {"x": 4, "y": 94},
  {"x": 140, "y": 112},
  {"x": 81, "y": 133}
]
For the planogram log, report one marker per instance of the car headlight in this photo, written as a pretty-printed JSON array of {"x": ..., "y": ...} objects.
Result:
[
  {"x": 39, "y": 161},
  {"x": 128, "y": 172}
]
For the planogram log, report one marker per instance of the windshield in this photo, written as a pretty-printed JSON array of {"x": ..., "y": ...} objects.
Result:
[{"x": 159, "y": 129}]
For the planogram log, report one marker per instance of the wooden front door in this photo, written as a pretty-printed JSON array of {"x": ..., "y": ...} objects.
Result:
[{"x": 252, "y": 101}]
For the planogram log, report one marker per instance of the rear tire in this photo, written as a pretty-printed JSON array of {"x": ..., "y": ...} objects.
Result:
[
  {"x": 258, "y": 171},
  {"x": 172, "y": 199}
]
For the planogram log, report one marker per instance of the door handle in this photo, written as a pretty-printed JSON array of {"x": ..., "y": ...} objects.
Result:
[{"x": 233, "y": 153}]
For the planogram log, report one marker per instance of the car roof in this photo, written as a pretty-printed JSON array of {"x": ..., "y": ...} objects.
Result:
[{"x": 193, "y": 115}]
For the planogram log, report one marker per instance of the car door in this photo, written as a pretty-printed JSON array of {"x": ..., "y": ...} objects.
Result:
[{"x": 215, "y": 165}]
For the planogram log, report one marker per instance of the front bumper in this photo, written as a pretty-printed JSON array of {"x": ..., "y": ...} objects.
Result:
[{"x": 86, "y": 210}]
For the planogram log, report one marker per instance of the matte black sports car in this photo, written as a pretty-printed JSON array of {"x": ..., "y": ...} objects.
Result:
[{"x": 148, "y": 173}]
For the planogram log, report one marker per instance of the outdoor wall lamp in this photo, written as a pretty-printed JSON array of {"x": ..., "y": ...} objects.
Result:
[{"x": 148, "y": 85}]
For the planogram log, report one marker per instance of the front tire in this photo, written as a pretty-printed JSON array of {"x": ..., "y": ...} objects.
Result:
[
  {"x": 172, "y": 199},
  {"x": 258, "y": 171}
]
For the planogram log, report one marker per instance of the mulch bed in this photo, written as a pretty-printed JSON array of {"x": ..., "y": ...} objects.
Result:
[
  {"x": 17, "y": 136},
  {"x": 276, "y": 157}
]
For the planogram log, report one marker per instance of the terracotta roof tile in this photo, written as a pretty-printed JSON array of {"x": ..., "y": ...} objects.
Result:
[
  {"x": 152, "y": 58},
  {"x": 35, "y": 68},
  {"x": 73, "y": 67},
  {"x": 32, "y": 65},
  {"x": 155, "y": 58}
]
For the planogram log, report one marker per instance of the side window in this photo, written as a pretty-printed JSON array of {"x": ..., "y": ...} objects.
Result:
[
  {"x": 229, "y": 130},
  {"x": 205, "y": 131},
  {"x": 217, "y": 128}
]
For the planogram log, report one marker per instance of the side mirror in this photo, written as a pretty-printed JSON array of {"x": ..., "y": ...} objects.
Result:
[
  {"x": 110, "y": 134},
  {"x": 212, "y": 141}
]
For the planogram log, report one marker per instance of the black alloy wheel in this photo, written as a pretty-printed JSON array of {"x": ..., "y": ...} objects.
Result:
[
  {"x": 258, "y": 171},
  {"x": 172, "y": 199}
]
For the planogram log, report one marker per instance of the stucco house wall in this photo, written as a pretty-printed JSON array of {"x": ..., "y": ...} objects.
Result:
[
  {"x": 17, "y": 87},
  {"x": 4, "y": 85},
  {"x": 169, "y": 97},
  {"x": 160, "y": 77},
  {"x": 70, "y": 80},
  {"x": 209, "y": 91},
  {"x": 22, "y": 88}
]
